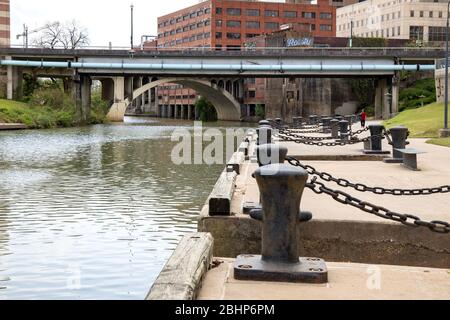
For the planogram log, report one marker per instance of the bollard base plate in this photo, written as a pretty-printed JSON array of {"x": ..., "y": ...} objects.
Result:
[
  {"x": 253, "y": 268},
  {"x": 249, "y": 206},
  {"x": 376, "y": 152}
]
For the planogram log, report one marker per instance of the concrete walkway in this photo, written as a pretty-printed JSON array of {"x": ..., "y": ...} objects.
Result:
[{"x": 346, "y": 282}]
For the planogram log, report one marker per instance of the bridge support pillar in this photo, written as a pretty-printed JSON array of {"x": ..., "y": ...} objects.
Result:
[
  {"x": 381, "y": 102},
  {"x": 14, "y": 82},
  {"x": 190, "y": 112},
  {"x": 395, "y": 95},
  {"x": 82, "y": 95},
  {"x": 121, "y": 88}
]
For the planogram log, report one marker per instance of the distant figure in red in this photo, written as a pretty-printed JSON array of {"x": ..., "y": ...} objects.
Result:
[{"x": 363, "y": 118}]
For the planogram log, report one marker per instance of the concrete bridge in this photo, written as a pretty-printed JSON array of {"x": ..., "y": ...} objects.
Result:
[{"x": 130, "y": 78}]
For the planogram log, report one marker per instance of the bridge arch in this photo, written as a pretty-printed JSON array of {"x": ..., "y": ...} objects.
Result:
[{"x": 227, "y": 107}]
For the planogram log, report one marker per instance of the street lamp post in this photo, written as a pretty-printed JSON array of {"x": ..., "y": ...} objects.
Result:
[
  {"x": 132, "y": 26},
  {"x": 446, "y": 132}
]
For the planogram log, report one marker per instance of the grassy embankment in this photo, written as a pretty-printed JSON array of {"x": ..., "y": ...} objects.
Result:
[
  {"x": 423, "y": 123},
  {"x": 47, "y": 113}
]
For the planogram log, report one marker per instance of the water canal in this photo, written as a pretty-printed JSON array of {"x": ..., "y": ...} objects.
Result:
[{"x": 95, "y": 212}]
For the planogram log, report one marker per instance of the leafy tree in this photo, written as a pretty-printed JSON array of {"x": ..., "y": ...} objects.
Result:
[{"x": 206, "y": 110}]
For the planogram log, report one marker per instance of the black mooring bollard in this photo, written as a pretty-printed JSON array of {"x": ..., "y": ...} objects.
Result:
[
  {"x": 271, "y": 154},
  {"x": 312, "y": 120},
  {"x": 399, "y": 137},
  {"x": 265, "y": 124},
  {"x": 349, "y": 119},
  {"x": 334, "y": 124},
  {"x": 264, "y": 135},
  {"x": 326, "y": 123},
  {"x": 281, "y": 187},
  {"x": 343, "y": 128},
  {"x": 376, "y": 141}
]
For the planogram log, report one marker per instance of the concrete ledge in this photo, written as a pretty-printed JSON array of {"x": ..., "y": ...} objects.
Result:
[
  {"x": 338, "y": 241},
  {"x": 222, "y": 194},
  {"x": 12, "y": 126},
  {"x": 182, "y": 277},
  {"x": 444, "y": 133}
]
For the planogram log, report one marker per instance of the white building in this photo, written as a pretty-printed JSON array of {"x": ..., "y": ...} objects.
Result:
[{"x": 423, "y": 20}]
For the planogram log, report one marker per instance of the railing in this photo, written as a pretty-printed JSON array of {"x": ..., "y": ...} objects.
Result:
[{"x": 238, "y": 49}]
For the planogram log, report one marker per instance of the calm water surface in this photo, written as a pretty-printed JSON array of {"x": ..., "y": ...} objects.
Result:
[{"x": 94, "y": 213}]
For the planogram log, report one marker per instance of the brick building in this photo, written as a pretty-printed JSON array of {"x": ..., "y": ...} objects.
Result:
[
  {"x": 4, "y": 39},
  {"x": 228, "y": 25},
  {"x": 4, "y": 23}
]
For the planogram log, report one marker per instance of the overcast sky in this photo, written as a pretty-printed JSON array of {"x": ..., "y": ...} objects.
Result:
[{"x": 106, "y": 20}]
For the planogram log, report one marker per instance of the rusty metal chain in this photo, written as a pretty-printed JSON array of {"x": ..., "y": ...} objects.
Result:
[
  {"x": 294, "y": 135},
  {"x": 359, "y": 131},
  {"x": 405, "y": 219},
  {"x": 363, "y": 188},
  {"x": 329, "y": 144}
]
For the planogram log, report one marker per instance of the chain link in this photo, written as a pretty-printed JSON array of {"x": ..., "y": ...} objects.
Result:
[
  {"x": 353, "y": 141},
  {"x": 363, "y": 188},
  {"x": 405, "y": 219}
]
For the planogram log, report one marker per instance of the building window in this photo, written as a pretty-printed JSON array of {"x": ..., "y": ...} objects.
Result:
[
  {"x": 251, "y": 80},
  {"x": 233, "y": 35},
  {"x": 272, "y": 25},
  {"x": 200, "y": 36},
  {"x": 326, "y": 16},
  {"x": 192, "y": 26},
  {"x": 178, "y": 20},
  {"x": 421, "y": 14},
  {"x": 411, "y": 13},
  {"x": 326, "y": 27},
  {"x": 218, "y": 23},
  {"x": 218, "y": 10},
  {"x": 207, "y": 22},
  {"x": 207, "y": 10},
  {"x": 234, "y": 11},
  {"x": 308, "y": 15},
  {"x": 207, "y": 35},
  {"x": 218, "y": 35},
  {"x": 251, "y": 35},
  {"x": 436, "y": 34},
  {"x": 233, "y": 24},
  {"x": 271, "y": 13},
  {"x": 290, "y": 14},
  {"x": 416, "y": 32},
  {"x": 193, "y": 15},
  {"x": 431, "y": 14},
  {"x": 252, "y": 94},
  {"x": 252, "y": 12},
  {"x": 399, "y": 29},
  {"x": 440, "y": 14},
  {"x": 186, "y": 28},
  {"x": 253, "y": 24},
  {"x": 200, "y": 25},
  {"x": 387, "y": 33}
]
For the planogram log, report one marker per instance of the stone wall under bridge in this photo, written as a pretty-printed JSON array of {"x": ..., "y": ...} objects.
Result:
[{"x": 288, "y": 98}]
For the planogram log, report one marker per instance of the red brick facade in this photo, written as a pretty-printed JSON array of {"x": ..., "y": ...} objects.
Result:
[
  {"x": 5, "y": 22},
  {"x": 227, "y": 24}
]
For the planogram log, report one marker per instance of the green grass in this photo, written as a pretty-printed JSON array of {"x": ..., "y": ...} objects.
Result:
[
  {"x": 445, "y": 142},
  {"x": 422, "y": 122},
  {"x": 45, "y": 117}
]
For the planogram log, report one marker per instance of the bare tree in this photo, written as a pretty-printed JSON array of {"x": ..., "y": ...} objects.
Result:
[
  {"x": 74, "y": 36},
  {"x": 68, "y": 35},
  {"x": 49, "y": 35}
]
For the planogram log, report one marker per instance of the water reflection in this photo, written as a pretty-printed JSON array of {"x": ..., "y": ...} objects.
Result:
[{"x": 93, "y": 213}]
